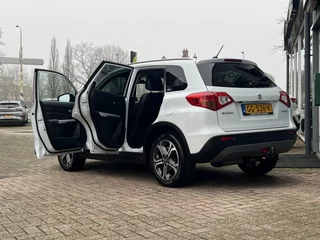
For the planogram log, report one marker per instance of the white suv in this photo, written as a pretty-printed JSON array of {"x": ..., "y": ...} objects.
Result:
[{"x": 170, "y": 113}]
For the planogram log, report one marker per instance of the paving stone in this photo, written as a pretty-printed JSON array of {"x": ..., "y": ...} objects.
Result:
[{"x": 38, "y": 200}]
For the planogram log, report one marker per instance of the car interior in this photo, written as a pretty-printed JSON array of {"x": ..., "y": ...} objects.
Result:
[
  {"x": 145, "y": 102},
  {"x": 108, "y": 108},
  {"x": 63, "y": 130}
]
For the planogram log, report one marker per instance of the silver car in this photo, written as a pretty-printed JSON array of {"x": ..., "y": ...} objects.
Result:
[{"x": 13, "y": 112}]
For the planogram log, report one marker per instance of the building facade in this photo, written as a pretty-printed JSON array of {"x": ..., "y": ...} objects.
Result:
[{"x": 301, "y": 43}]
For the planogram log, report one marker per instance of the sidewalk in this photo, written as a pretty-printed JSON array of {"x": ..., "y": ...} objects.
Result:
[{"x": 296, "y": 158}]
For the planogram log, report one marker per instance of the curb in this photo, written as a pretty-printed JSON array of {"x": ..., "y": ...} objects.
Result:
[{"x": 298, "y": 161}]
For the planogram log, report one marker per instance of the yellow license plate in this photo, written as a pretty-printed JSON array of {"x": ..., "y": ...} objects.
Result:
[
  {"x": 8, "y": 116},
  {"x": 257, "y": 109}
]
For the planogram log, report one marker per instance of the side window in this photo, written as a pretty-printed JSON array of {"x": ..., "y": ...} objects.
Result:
[
  {"x": 52, "y": 86},
  {"x": 113, "y": 79},
  {"x": 140, "y": 81},
  {"x": 116, "y": 85},
  {"x": 175, "y": 79}
]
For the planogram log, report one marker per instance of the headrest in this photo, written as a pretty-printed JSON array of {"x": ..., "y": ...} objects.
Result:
[{"x": 154, "y": 83}]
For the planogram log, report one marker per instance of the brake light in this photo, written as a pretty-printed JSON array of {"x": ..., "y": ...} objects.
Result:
[
  {"x": 232, "y": 60},
  {"x": 284, "y": 98},
  {"x": 294, "y": 100},
  {"x": 211, "y": 100},
  {"x": 264, "y": 150}
]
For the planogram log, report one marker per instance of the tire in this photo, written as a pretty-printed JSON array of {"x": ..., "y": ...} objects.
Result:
[
  {"x": 259, "y": 168},
  {"x": 23, "y": 123},
  {"x": 71, "y": 161},
  {"x": 169, "y": 161}
]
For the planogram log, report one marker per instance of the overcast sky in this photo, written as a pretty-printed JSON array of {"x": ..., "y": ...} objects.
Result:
[{"x": 151, "y": 28}]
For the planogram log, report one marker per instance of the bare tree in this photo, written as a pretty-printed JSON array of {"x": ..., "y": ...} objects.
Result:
[
  {"x": 280, "y": 47},
  {"x": 114, "y": 53},
  {"x": 68, "y": 64},
  {"x": 52, "y": 83},
  {"x": 9, "y": 82},
  {"x": 1, "y": 44},
  {"x": 54, "y": 55},
  {"x": 87, "y": 57}
]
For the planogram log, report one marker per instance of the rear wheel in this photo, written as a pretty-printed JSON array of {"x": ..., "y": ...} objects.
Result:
[
  {"x": 169, "y": 161},
  {"x": 71, "y": 161},
  {"x": 259, "y": 168}
]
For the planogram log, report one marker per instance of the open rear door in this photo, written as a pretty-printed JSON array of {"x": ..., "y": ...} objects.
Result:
[
  {"x": 55, "y": 130},
  {"x": 102, "y": 107}
]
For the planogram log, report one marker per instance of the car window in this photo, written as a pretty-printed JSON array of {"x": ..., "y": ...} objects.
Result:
[
  {"x": 175, "y": 79},
  {"x": 52, "y": 85},
  {"x": 140, "y": 81},
  {"x": 113, "y": 79},
  {"x": 116, "y": 85},
  {"x": 239, "y": 75}
]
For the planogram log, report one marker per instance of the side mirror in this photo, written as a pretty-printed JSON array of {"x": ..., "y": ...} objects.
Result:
[{"x": 66, "y": 97}]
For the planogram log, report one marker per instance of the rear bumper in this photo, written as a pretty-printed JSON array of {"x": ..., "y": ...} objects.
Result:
[
  {"x": 14, "y": 120},
  {"x": 239, "y": 146}
]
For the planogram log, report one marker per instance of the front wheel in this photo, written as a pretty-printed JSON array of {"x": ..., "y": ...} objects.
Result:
[
  {"x": 259, "y": 168},
  {"x": 71, "y": 161},
  {"x": 169, "y": 161}
]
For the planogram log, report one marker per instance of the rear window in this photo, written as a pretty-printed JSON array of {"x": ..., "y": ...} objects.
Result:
[
  {"x": 238, "y": 75},
  {"x": 9, "y": 105}
]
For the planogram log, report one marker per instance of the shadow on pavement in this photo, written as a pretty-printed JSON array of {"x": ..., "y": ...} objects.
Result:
[
  {"x": 224, "y": 177},
  {"x": 234, "y": 177}
]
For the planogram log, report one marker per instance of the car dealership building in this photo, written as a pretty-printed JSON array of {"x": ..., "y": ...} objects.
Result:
[{"x": 301, "y": 43}]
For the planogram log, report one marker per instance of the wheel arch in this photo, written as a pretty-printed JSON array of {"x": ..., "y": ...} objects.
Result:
[{"x": 162, "y": 127}]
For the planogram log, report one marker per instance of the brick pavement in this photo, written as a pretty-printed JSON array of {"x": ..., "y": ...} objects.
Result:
[{"x": 38, "y": 200}]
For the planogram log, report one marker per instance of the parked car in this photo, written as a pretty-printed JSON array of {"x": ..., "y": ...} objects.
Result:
[
  {"x": 13, "y": 112},
  {"x": 296, "y": 112},
  {"x": 170, "y": 113},
  {"x": 302, "y": 119}
]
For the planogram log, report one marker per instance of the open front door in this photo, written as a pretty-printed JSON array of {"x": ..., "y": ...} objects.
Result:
[
  {"x": 102, "y": 107},
  {"x": 55, "y": 130}
]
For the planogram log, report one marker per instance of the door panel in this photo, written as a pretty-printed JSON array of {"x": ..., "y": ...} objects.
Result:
[
  {"x": 102, "y": 107},
  {"x": 55, "y": 130},
  {"x": 108, "y": 115},
  {"x": 63, "y": 131}
]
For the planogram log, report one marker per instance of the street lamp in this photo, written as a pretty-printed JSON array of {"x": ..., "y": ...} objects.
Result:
[
  {"x": 21, "y": 68},
  {"x": 242, "y": 55}
]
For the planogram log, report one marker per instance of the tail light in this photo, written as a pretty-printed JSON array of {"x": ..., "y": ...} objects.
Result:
[
  {"x": 284, "y": 98},
  {"x": 211, "y": 100},
  {"x": 294, "y": 100}
]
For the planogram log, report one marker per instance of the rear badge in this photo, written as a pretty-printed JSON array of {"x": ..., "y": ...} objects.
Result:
[
  {"x": 259, "y": 96},
  {"x": 227, "y": 113}
]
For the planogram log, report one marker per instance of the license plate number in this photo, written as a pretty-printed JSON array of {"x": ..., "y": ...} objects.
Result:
[
  {"x": 8, "y": 116},
  {"x": 257, "y": 109}
]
